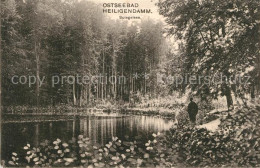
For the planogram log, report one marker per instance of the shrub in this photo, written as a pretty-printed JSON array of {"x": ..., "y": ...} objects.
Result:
[
  {"x": 80, "y": 152},
  {"x": 235, "y": 144}
]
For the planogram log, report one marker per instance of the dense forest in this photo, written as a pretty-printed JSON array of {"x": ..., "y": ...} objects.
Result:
[
  {"x": 62, "y": 39},
  {"x": 55, "y": 39},
  {"x": 221, "y": 42}
]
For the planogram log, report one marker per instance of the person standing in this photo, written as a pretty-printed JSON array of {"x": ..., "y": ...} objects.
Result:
[{"x": 193, "y": 111}]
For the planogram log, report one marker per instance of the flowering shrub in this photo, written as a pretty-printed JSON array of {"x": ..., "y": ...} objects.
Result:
[
  {"x": 80, "y": 152},
  {"x": 235, "y": 144}
]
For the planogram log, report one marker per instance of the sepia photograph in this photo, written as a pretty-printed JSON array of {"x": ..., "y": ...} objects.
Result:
[{"x": 130, "y": 83}]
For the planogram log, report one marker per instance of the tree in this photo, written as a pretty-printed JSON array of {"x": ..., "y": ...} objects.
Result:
[
  {"x": 56, "y": 39},
  {"x": 220, "y": 37},
  {"x": 12, "y": 50}
]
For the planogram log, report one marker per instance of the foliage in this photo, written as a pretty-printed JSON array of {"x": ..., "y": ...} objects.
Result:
[
  {"x": 235, "y": 143},
  {"x": 80, "y": 152},
  {"x": 218, "y": 38},
  {"x": 73, "y": 38}
]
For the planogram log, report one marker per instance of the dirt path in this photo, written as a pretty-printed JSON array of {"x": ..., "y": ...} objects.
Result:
[{"x": 211, "y": 126}]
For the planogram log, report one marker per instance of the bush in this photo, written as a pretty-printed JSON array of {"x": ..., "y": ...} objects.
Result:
[
  {"x": 80, "y": 152},
  {"x": 235, "y": 144}
]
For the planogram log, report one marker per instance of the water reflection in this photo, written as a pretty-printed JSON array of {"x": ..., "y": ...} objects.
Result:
[{"x": 98, "y": 129}]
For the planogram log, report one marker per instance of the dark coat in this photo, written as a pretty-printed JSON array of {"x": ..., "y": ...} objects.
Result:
[{"x": 192, "y": 110}]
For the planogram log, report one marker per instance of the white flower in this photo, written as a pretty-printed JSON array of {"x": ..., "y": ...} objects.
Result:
[
  {"x": 139, "y": 161},
  {"x": 66, "y": 150},
  {"x": 83, "y": 161},
  {"x": 65, "y": 145},
  {"x": 146, "y": 155},
  {"x": 82, "y": 155},
  {"x": 123, "y": 156},
  {"x": 57, "y": 141},
  {"x": 114, "y": 138},
  {"x": 90, "y": 166},
  {"x": 149, "y": 148},
  {"x": 36, "y": 159},
  {"x": 115, "y": 158}
]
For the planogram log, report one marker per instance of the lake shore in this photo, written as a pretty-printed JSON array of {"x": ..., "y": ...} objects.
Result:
[
  {"x": 71, "y": 110},
  {"x": 172, "y": 148}
]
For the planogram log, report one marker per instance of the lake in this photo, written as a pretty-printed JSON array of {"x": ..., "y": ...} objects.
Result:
[{"x": 100, "y": 129}]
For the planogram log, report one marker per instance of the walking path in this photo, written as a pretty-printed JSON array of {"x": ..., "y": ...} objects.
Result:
[{"x": 211, "y": 126}]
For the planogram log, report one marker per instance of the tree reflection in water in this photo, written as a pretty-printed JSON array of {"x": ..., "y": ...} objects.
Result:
[{"x": 100, "y": 129}]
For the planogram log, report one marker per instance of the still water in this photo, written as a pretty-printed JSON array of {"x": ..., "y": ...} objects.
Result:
[{"x": 100, "y": 129}]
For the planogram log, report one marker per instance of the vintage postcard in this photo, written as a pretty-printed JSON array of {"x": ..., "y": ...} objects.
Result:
[{"x": 130, "y": 83}]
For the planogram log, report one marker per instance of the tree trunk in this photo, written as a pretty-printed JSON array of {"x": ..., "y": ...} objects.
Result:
[
  {"x": 105, "y": 90},
  {"x": 115, "y": 85},
  {"x": 74, "y": 94},
  {"x": 121, "y": 87},
  {"x": 109, "y": 84},
  {"x": 81, "y": 95},
  {"x": 113, "y": 69},
  {"x": 258, "y": 75},
  {"x": 145, "y": 85},
  {"x": 103, "y": 72},
  {"x": 131, "y": 84},
  {"x": 97, "y": 91},
  {"x": 0, "y": 70},
  {"x": 89, "y": 92},
  {"x": 252, "y": 91},
  {"x": 135, "y": 83},
  {"x": 37, "y": 74}
]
